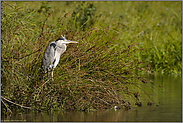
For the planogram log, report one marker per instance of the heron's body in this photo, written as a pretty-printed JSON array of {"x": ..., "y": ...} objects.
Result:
[
  {"x": 53, "y": 52},
  {"x": 52, "y": 55}
]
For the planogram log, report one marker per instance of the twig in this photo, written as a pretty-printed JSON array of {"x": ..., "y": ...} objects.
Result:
[
  {"x": 6, "y": 105},
  {"x": 16, "y": 103}
]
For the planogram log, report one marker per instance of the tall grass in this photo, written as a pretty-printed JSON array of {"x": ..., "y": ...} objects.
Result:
[{"x": 99, "y": 72}]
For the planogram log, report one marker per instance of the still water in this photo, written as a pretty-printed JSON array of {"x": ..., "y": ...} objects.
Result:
[{"x": 169, "y": 108}]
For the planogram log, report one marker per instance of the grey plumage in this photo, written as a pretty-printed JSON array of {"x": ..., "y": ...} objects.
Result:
[
  {"x": 53, "y": 52},
  {"x": 49, "y": 57}
]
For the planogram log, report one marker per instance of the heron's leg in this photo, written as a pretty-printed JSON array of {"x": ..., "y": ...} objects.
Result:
[{"x": 52, "y": 75}]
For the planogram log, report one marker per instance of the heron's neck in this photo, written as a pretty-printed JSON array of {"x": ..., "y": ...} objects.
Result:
[
  {"x": 65, "y": 46},
  {"x": 62, "y": 46}
]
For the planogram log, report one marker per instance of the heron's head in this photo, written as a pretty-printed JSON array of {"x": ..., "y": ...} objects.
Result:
[{"x": 63, "y": 40}]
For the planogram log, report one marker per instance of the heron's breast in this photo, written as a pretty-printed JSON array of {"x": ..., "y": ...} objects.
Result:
[{"x": 58, "y": 53}]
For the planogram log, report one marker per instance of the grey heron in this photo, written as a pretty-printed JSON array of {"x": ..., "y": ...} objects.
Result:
[{"x": 52, "y": 54}]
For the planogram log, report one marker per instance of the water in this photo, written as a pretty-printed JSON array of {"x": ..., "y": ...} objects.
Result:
[{"x": 169, "y": 108}]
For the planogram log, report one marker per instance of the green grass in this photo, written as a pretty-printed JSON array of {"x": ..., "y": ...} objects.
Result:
[{"x": 104, "y": 69}]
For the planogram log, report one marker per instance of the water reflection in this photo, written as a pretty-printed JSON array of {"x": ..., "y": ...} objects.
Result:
[{"x": 169, "y": 108}]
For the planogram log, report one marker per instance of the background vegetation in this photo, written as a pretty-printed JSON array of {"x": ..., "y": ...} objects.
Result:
[{"x": 117, "y": 42}]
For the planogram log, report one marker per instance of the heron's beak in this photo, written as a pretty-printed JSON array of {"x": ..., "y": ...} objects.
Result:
[{"x": 68, "y": 41}]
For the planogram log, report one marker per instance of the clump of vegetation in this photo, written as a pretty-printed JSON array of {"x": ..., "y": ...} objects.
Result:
[
  {"x": 103, "y": 70},
  {"x": 84, "y": 15}
]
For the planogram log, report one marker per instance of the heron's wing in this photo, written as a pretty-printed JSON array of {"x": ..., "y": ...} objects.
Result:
[
  {"x": 52, "y": 53},
  {"x": 49, "y": 56}
]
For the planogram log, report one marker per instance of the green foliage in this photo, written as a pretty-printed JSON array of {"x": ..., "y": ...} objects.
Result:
[
  {"x": 45, "y": 8},
  {"x": 168, "y": 58},
  {"x": 104, "y": 68},
  {"x": 84, "y": 15}
]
